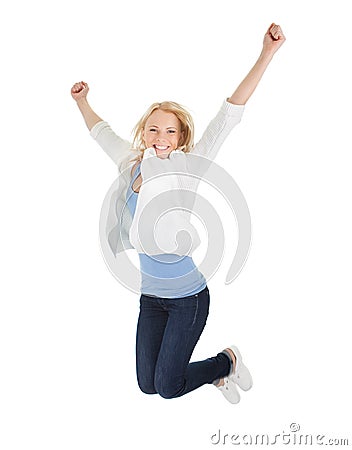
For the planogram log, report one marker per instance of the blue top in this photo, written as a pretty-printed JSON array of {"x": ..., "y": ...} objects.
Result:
[{"x": 165, "y": 275}]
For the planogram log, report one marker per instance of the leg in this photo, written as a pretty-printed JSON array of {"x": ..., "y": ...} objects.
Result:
[
  {"x": 174, "y": 375},
  {"x": 230, "y": 354},
  {"x": 150, "y": 331}
]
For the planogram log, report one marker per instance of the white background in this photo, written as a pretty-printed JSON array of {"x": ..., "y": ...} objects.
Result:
[{"x": 67, "y": 326}]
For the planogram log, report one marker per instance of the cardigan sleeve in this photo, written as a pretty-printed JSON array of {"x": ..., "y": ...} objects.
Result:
[
  {"x": 114, "y": 146},
  {"x": 218, "y": 130}
]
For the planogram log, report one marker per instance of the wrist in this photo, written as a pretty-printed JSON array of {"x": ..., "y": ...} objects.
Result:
[
  {"x": 266, "y": 55},
  {"x": 82, "y": 101}
]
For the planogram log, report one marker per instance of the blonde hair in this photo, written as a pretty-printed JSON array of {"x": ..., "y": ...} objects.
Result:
[{"x": 187, "y": 127}]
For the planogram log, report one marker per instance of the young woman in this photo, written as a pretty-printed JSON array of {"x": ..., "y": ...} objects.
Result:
[{"x": 174, "y": 301}]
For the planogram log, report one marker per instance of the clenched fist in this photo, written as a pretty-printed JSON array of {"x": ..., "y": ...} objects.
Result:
[
  {"x": 273, "y": 38},
  {"x": 79, "y": 90}
]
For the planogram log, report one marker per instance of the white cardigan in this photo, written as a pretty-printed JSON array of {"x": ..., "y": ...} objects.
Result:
[{"x": 161, "y": 223}]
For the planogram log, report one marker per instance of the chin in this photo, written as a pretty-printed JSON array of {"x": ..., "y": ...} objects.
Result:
[{"x": 163, "y": 155}]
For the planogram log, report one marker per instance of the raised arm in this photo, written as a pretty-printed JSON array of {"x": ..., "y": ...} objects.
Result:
[
  {"x": 79, "y": 93},
  {"x": 232, "y": 109},
  {"x": 117, "y": 148},
  {"x": 273, "y": 40}
]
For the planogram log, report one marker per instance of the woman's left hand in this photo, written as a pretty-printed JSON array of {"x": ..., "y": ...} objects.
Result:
[{"x": 273, "y": 39}]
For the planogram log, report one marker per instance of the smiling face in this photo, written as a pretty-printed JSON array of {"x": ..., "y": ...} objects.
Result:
[{"x": 162, "y": 131}]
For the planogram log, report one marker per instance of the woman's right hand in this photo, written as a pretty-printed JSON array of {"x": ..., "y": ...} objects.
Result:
[{"x": 79, "y": 90}]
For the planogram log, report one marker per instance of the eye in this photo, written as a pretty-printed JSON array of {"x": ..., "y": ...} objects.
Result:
[
  {"x": 172, "y": 131},
  {"x": 153, "y": 130}
]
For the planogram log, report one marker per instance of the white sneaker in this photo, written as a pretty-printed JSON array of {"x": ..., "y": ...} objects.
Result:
[
  {"x": 230, "y": 391},
  {"x": 241, "y": 375}
]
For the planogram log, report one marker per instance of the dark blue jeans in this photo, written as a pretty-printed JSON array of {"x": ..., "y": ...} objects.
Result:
[{"x": 167, "y": 332}]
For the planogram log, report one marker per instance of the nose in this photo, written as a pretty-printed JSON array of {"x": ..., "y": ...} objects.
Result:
[{"x": 161, "y": 137}]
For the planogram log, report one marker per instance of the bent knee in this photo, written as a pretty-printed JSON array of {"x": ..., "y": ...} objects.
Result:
[
  {"x": 168, "y": 394},
  {"x": 169, "y": 390},
  {"x": 146, "y": 387}
]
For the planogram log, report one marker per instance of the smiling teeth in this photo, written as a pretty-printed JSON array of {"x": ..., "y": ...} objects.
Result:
[{"x": 160, "y": 148}]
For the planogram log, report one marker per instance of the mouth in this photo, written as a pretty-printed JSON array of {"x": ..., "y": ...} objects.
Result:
[{"x": 161, "y": 147}]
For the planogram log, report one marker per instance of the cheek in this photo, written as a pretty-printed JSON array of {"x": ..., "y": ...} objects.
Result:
[
  {"x": 146, "y": 137},
  {"x": 179, "y": 138},
  {"x": 175, "y": 140}
]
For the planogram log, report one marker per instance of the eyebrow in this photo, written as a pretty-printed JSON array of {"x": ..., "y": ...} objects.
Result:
[{"x": 156, "y": 126}]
